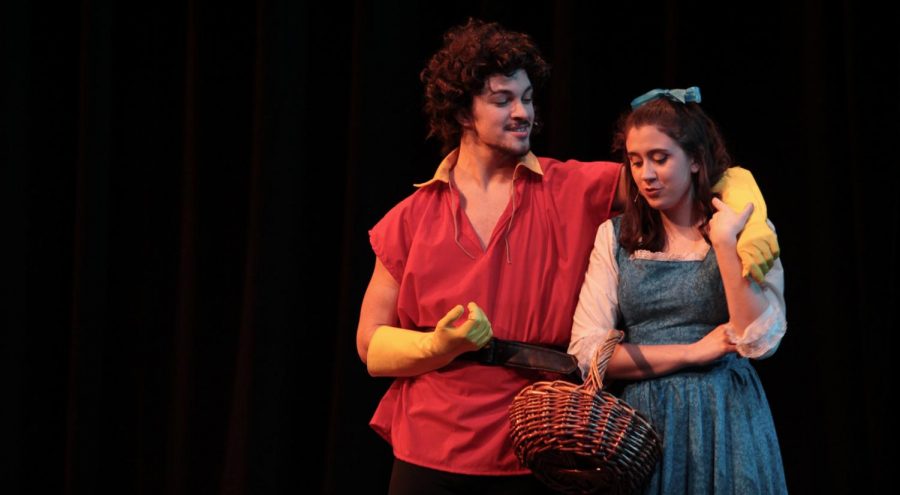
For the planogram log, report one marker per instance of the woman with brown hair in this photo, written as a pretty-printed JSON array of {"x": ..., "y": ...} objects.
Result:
[{"x": 667, "y": 273}]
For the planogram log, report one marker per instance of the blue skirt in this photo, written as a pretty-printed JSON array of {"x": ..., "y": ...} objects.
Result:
[{"x": 717, "y": 430}]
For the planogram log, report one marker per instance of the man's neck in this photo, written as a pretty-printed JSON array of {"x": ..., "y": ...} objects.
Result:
[{"x": 483, "y": 166}]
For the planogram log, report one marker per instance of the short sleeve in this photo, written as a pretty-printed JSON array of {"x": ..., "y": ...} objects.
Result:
[
  {"x": 604, "y": 179},
  {"x": 391, "y": 238},
  {"x": 590, "y": 184}
]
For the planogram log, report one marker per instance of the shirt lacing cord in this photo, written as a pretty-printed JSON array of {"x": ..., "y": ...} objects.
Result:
[
  {"x": 512, "y": 192},
  {"x": 456, "y": 222},
  {"x": 512, "y": 215}
]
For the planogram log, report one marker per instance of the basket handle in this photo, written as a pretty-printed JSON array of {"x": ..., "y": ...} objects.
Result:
[{"x": 600, "y": 361}]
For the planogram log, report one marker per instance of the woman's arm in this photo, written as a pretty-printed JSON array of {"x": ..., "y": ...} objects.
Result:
[
  {"x": 746, "y": 301},
  {"x": 760, "y": 339},
  {"x": 639, "y": 362},
  {"x": 596, "y": 314}
]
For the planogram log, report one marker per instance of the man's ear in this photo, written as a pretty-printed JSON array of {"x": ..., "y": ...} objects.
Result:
[{"x": 464, "y": 117}]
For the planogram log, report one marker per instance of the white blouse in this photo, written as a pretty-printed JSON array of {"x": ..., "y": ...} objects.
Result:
[{"x": 598, "y": 303}]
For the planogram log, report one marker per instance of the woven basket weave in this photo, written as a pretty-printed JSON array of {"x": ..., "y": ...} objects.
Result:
[{"x": 580, "y": 439}]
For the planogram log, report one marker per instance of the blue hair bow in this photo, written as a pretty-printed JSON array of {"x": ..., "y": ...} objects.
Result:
[{"x": 691, "y": 94}]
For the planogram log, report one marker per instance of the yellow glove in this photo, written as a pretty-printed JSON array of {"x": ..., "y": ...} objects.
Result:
[
  {"x": 400, "y": 352},
  {"x": 757, "y": 245}
]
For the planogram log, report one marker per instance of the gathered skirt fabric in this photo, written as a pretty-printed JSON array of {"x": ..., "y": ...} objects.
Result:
[{"x": 715, "y": 422}]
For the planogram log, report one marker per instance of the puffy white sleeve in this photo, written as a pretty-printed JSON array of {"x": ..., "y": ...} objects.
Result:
[
  {"x": 598, "y": 303},
  {"x": 762, "y": 336}
]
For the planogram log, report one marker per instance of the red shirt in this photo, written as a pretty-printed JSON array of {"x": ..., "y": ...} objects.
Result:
[{"x": 527, "y": 282}]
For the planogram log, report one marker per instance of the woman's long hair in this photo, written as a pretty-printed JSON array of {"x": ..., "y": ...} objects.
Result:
[{"x": 689, "y": 126}]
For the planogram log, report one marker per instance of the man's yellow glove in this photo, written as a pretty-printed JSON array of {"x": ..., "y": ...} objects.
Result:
[
  {"x": 400, "y": 352},
  {"x": 757, "y": 245}
]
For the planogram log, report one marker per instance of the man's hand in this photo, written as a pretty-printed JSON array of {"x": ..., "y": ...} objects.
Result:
[
  {"x": 400, "y": 352},
  {"x": 470, "y": 336},
  {"x": 757, "y": 245}
]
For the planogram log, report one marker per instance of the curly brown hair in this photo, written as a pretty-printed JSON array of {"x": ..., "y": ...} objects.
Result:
[
  {"x": 698, "y": 135},
  {"x": 471, "y": 54}
]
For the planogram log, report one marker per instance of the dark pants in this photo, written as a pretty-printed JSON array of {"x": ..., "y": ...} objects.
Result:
[{"x": 409, "y": 479}]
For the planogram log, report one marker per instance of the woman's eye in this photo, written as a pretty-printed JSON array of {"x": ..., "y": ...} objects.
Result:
[{"x": 660, "y": 158}]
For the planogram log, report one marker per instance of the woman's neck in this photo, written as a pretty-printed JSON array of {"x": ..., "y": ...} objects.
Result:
[{"x": 682, "y": 231}]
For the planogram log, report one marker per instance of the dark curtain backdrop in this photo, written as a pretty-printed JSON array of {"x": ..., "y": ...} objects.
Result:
[{"x": 187, "y": 189}]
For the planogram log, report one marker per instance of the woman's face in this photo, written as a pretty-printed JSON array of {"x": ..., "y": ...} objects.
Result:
[{"x": 660, "y": 169}]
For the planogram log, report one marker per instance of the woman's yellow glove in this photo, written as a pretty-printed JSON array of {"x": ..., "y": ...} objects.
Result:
[
  {"x": 400, "y": 352},
  {"x": 757, "y": 245}
]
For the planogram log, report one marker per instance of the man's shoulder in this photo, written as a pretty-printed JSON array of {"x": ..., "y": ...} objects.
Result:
[
  {"x": 418, "y": 201},
  {"x": 555, "y": 168},
  {"x": 571, "y": 162}
]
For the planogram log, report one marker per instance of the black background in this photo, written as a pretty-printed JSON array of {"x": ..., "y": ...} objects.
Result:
[{"x": 187, "y": 189}]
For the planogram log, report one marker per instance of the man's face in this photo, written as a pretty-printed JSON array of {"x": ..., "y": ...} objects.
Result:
[{"x": 502, "y": 115}]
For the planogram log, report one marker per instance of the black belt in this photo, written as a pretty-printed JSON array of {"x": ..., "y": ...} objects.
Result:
[{"x": 499, "y": 352}]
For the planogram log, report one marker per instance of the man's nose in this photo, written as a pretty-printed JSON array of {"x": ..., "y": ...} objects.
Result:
[{"x": 519, "y": 109}]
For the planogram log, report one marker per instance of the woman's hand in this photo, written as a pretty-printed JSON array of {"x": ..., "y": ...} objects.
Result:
[
  {"x": 726, "y": 224},
  {"x": 713, "y": 346}
]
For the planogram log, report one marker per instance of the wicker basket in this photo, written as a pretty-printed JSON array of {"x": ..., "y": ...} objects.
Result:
[{"x": 580, "y": 439}]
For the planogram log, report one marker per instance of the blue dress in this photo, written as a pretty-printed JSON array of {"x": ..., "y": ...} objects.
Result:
[{"x": 717, "y": 429}]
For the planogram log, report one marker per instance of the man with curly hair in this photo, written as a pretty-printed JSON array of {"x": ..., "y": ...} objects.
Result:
[{"x": 497, "y": 227}]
